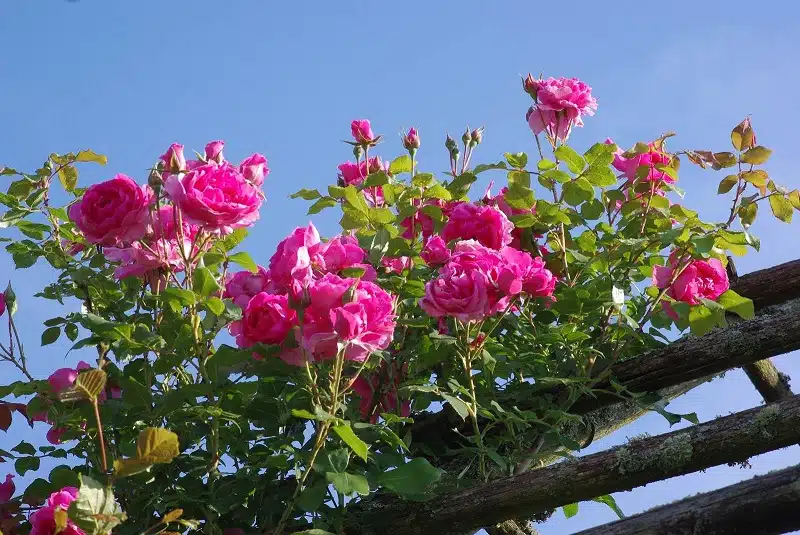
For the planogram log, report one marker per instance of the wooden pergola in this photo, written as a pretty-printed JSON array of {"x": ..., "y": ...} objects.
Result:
[{"x": 768, "y": 504}]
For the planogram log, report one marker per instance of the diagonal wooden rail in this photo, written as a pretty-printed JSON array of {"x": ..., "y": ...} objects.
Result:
[
  {"x": 730, "y": 439},
  {"x": 767, "y": 505}
]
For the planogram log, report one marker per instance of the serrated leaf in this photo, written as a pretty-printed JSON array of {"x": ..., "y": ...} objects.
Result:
[
  {"x": 320, "y": 205},
  {"x": 422, "y": 180},
  {"x": 95, "y": 510},
  {"x": 600, "y": 154},
  {"x": 570, "y": 510},
  {"x": 727, "y": 183},
  {"x": 574, "y": 161},
  {"x": 245, "y": 260},
  {"x": 757, "y": 177},
  {"x": 68, "y": 176},
  {"x": 306, "y": 194},
  {"x": 413, "y": 477},
  {"x": 215, "y": 305},
  {"x": 347, "y": 435},
  {"x": 600, "y": 175},
  {"x": 578, "y": 191},
  {"x": 91, "y": 382},
  {"x": 355, "y": 199},
  {"x": 401, "y": 164},
  {"x": 702, "y": 319},
  {"x": 756, "y": 155},
  {"x": 348, "y": 483},
  {"x": 204, "y": 282},
  {"x": 89, "y": 155},
  {"x": 518, "y": 160},
  {"x": 781, "y": 207},
  {"x": 733, "y": 302},
  {"x": 50, "y": 335}
]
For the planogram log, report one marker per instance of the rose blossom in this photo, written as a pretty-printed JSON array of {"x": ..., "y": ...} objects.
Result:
[
  {"x": 486, "y": 224},
  {"x": 292, "y": 259},
  {"x": 138, "y": 260},
  {"x": 214, "y": 151},
  {"x": 521, "y": 273},
  {"x": 43, "y": 521},
  {"x": 435, "y": 252},
  {"x": 267, "y": 319},
  {"x": 700, "y": 279},
  {"x": 113, "y": 212},
  {"x": 560, "y": 104},
  {"x": 254, "y": 168},
  {"x": 2, "y": 304},
  {"x": 396, "y": 264},
  {"x": 63, "y": 378},
  {"x": 7, "y": 489},
  {"x": 244, "y": 285},
  {"x": 54, "y": 434},
  {"x": 411, "y": 140},
  {"x": 421, "y": 222},
  {"x": 650, "y": 159},
  {"x": 352, "y": 174},
  {"x": 340, "y": 252},
  {"x": 362, "y": 131},
  {"x": 215, "y": 197},
  {"x": 174, "y": 160},
  {"x": 459, "y": 292},
  {"x": 365, "y": 322}
]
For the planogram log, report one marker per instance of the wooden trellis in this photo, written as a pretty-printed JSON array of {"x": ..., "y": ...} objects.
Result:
[{"x": 770, "y": 503}]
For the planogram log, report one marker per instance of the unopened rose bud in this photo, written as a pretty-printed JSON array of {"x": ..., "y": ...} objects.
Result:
[
  {"x": 450, "y": 144},
  {"x": 530, "y": 86},
  {"x": 214, "y": 151},
  {"x": 174, "y": 160},
  {"x": 411, "y": 140},
  {"x": 477, "y": 136},
  {"x": 358, "y": 152},
  {"x": 299, "y": 298},
  {"x": 154, "y": 180},
  {"x": 466, "y": 137}
]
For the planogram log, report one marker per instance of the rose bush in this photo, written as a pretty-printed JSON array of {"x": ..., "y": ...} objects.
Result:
[{"x": 220, "y": 395}]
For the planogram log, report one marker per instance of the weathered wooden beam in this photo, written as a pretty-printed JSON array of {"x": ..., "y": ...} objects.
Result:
[
  {"x": 730, "y": 439},
  {"x": 768, "y": 504},
  {"x": 770, "y": 286}
]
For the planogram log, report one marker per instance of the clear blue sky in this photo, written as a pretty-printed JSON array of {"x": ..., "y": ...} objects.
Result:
[{"x": 127, "y": 78}]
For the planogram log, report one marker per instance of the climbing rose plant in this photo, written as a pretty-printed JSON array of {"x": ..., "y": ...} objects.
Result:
[{"x": 220, "y": 395}]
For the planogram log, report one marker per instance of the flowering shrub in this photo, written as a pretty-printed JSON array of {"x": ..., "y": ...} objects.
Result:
[{"x": 218, "y": 394}]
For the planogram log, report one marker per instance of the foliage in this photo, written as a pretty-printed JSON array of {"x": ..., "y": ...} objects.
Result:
[{"x": 174, "y": 427}]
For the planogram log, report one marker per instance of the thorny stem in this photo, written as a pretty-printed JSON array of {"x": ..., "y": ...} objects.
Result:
[{"x": 473, "y": 412}]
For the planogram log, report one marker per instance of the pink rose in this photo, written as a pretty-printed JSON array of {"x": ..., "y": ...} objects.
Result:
[
  {"x": 2, "y": 304},
  {"x": 267, "y": 319},
  {"x": 54, "y": 434},
  {"x": 348, "y": 310},
  {"x": 362, "y": 131},
  {"x": 254, "y": 168},
  {"x": 138, "y": 259},
  {"x": 651, "y": 159},
  {"x": 421, "y": 222},
  {"x": 352, "y": 174},
  {"x": 701, "y": 279},
  {"x": 411, "y": 140},
  {"x": 63, "y": 378},
  {"x": 560, "y": 104},
  {"x": 378, "y": 392},
  {"x": 113, "y": 212},
  {"x": 43, "y": 521},
  {"x": 339, "y": 253},
  {"x": 214, "y": 151},
  {"x": 486, "y": 224},
  {"x": 174, "y": 160},
  {"x": 458, "y": 292},
  {"x": 7, "y": 489},
  {"x": 396, "y": 264},
  {"x": 435, "y": 252},
  {"x": 293, "y": 257},
  {"x": 521, "y": 273},
  {"x": 215, "y": 197},
  {"x": 244, "y": 285}
]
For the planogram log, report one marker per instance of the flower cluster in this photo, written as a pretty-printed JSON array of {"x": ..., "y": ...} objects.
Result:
[
  {"x": 559, "y": 104},
  {"x": 307, "y": 274}
]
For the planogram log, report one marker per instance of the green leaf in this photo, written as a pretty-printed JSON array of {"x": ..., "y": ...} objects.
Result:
[
  {"x": 727, "y": 183},
  {"x": 382, "y": 216},
  {"x": 611, "y": 502},
  {"x": 414, "y": 477},
  {"x": 26, "y": 464},
  {"x": 758, "y": 178},
  {"x": 95, "y": 510},
  {"x": 578, "y": 191},
  {"x": 570, "y": 510},
  {"x": 245, "y": 260},
  {"x": 347, "y": 435},
  {"x": 733, "y": 302},
  {"x": 756, "y": 155},
  {"x": 400, "y": 165},
  {"x": 460, "y": 184},
  {"x": 334, "y": 461},
  {"x": 600, "y": 175},
  {"x": 702, "y": 319},
  {"x": 480, "y": 168},
  {"x": 154, "y": 446},
  {"x": 518, "y": 160},
  {"x": 781, "y": 207},
  {"x": 747, "y": 213},
  {"x": 320, "y": 205},
  {"x": 574, "y": 161},
  {"x": 204, "y": 282},
  {"x": 422, "y": 180},
  {"x": 89, "y": 155},
  {"x": 592, "y": 209},
  {"x": 545, "y": 164},
  {"x": 460, "y": 407},
  {"x": 68, "y": 176},
  {"x": 24, "y": 448},
  {"x": 50, "y": 335},
  {"x": 348, "y": 483},
  {"x": 215, "y": 305},
  {"x": 306, "y": 194},
  {"x": 312, "y": 497},
  {"x": 600, "y": 154},
  {"x": 33, "y": 230},
  {"x": 378, "y": 178},
  {"x": 355, "y": 199}
]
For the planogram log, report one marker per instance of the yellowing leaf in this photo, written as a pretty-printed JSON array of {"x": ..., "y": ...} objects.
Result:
[
  {"x": 89, "y": 155},
  {"x": 60, "y": 516},
  {"x": 157, "y": 445},
  {"x": 68, "y": 176},
  {"x": 89, "y": 385},
  {"x": 756, "y": 155},
  {"x": 172, "y": 516},
  {"x": 781, "y": 207}
]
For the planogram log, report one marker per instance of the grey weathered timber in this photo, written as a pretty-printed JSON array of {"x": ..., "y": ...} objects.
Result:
[
  {"x": 767, "y": 505},
  {"x": 729, "y": 439}
]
